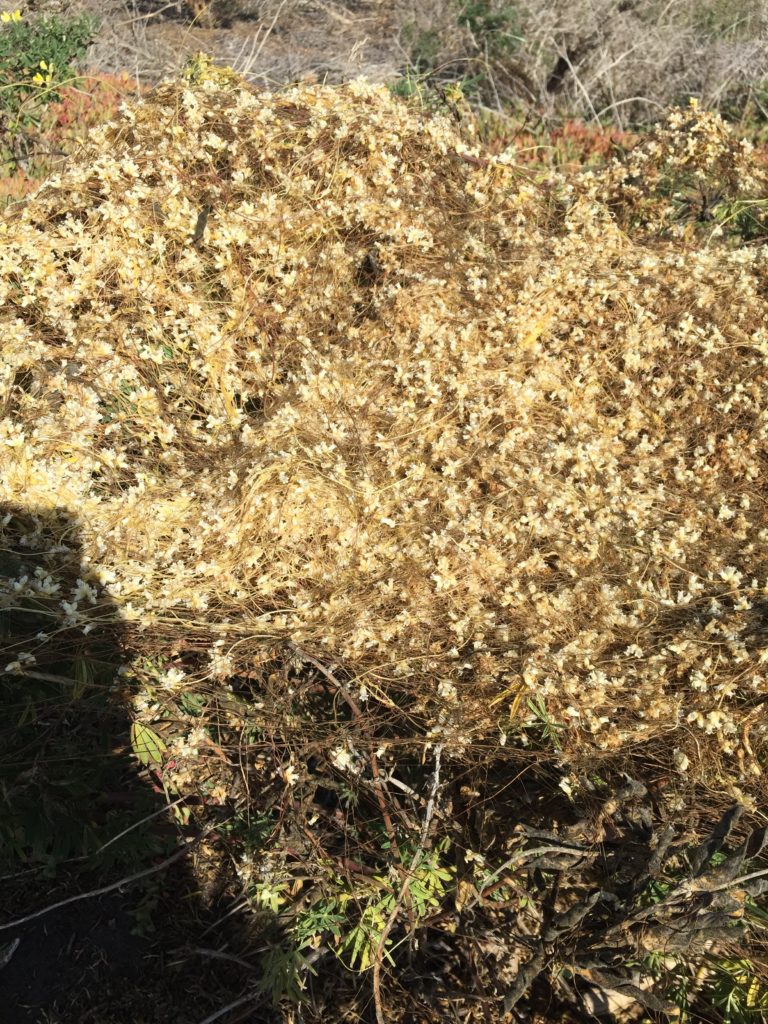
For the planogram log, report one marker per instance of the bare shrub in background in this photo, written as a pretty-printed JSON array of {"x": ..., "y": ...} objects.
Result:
[
  {"x": 627, "y": 60},
  {"x": 271, "y": 42},
  {"x": 597, "y": 58}
]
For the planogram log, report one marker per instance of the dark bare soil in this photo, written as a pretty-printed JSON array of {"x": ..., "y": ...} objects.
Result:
[{"x": 132, "y": 957}]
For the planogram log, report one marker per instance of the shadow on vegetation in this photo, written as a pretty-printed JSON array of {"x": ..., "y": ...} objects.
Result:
[{"x": 77, "y": 814}]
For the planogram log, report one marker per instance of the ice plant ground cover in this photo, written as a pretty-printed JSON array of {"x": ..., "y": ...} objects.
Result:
[{"x": 404, "y": 471}]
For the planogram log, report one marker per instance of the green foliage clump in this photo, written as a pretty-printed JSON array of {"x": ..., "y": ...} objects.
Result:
[
  {"x": 37, "y": 58},
  {"x": 495, "y": 26},
  {"x": 469, "y": 47},
  {"x": 51, "y": 45}
]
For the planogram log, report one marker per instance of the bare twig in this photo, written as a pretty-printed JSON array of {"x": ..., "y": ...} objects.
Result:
[
  {"x": 630, "y": 99},
  {"x": 214, "y": 954},
  {"x": 582, "y": 88},
  {"x": 8, "y": 951},
  {"x": 523, "y": 855},
  {"x": 114, "y": 839},
  {"x": 145, "y": 17},
  {"x": 736, "y": 882},
  {"x": 429, "y": 813},
  {"x": 233, "y": 910},
  {"x": 249, "y": 998}
]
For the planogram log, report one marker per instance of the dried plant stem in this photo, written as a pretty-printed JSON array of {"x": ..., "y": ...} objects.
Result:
[
  {"x": 379, "y": 955},
  {"x": 379, "y": 783},
  {"x": 218, "y": 1014}
]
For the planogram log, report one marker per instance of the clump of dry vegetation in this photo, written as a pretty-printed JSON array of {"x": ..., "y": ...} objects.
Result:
[{"x": 406, "y": 471}]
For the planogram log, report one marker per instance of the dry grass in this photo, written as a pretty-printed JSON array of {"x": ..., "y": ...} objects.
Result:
[
  {"x": 627, "y": 61},
  {"x": 270, "y": 43}
]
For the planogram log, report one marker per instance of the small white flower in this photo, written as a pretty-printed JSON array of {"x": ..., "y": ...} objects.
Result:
[
  {"x": 447, "y": 690},
  {"x": 190, "y": 747},
  {"x": 171, "y": 679},
  {"x": 21, "y": 660},
  {"x": 341, "y": 759},
  {"x": 83, "y": 590},
  {"x": 731, "y": 575},
  {"x": 346, "y": 758},
  {"x": 680, "y": 760}
]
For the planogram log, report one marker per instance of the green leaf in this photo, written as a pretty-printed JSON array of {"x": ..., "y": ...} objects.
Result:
[
  {"x": 192, "y": 703},
  {"x": 83, "y": 677},
  {"x": 147, "y": 745}
]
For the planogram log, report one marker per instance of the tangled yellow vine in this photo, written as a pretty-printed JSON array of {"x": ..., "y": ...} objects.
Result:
[{"x": 309, "y": 368}]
